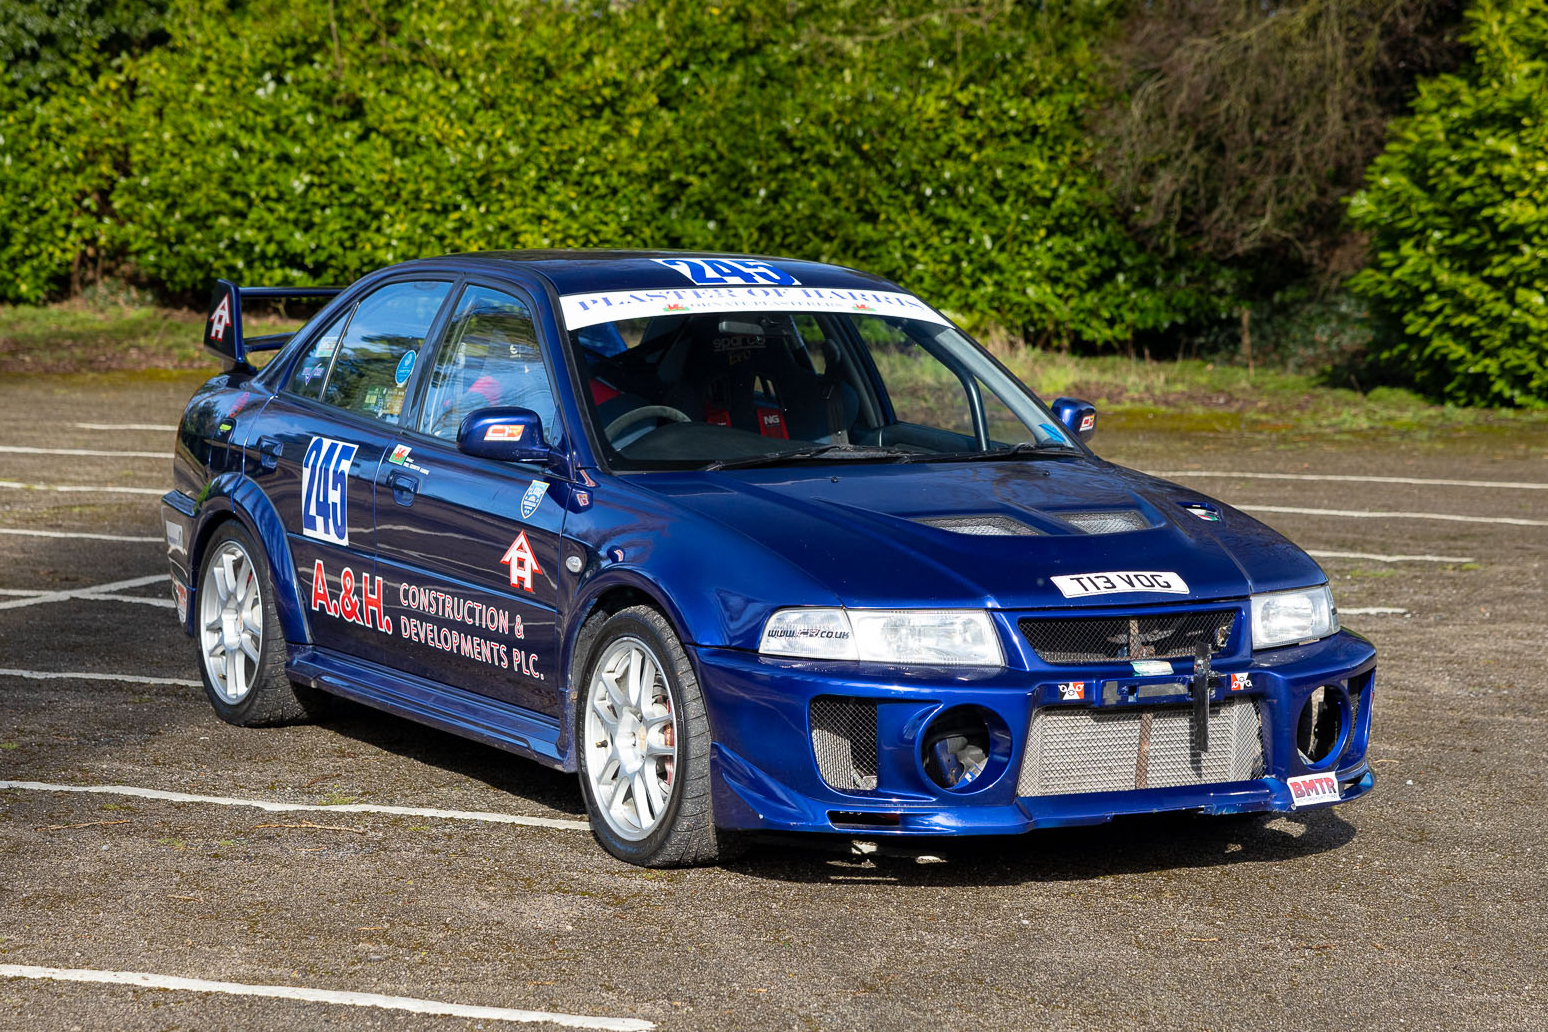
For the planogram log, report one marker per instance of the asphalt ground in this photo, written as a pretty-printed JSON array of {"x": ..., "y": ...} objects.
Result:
[{"x": 1418, "y": 907}]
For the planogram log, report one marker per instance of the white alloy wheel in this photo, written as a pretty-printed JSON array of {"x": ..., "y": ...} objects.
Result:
[
  {"x": 630, "y": 739},
  {"x": 231, "y": 622}
]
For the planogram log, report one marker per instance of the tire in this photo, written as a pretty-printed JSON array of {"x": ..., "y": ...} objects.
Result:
[
  {"x": 238, "y": 637},
  {"x": 643, "y": 742}
]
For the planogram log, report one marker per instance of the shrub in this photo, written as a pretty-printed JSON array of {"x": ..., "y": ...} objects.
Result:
[{"x": 1457, "y": 209}]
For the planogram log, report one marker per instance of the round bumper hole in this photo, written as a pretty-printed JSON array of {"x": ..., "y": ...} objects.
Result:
[{"x": 965, "y": 748}]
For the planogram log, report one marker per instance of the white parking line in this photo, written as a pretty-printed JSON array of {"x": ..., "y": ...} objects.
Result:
[
  {"x": 563, "y": 824},
  {"x": 78, "y": 675},
  {"x": 16, "y": 449},
  {"x": 147, "y": 980},
  {"x": 127, "y": 426},
  {"x": 1393, "y": 558},
  {"x": 1514, "y": 485},
  {"x": 72, "y": 534},
  {"x": 1373, "y": 611},
  {"x": 96, "y": 589},
  {"x": 1369, "y": 515},
  {"x": 82, "y": 487}
]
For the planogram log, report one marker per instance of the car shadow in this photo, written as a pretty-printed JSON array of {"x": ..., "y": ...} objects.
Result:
[
  {"x": 1128, "y": 845},
  {"x": 507, "y": 772}
]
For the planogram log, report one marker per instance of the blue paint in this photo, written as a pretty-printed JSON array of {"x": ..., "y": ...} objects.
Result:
[{"x": 717, "y": 552}]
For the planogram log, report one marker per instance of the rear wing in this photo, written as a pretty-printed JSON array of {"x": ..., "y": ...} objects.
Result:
[{"x": 223, "y": 326}]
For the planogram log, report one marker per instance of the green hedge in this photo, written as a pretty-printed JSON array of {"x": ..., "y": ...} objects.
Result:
[
  {"x": 1457, "y": 209},
  {"x": 299, "y": 142}
]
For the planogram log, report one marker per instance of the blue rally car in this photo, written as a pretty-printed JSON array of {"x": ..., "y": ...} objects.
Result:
[{"x": 752, "y": 544}]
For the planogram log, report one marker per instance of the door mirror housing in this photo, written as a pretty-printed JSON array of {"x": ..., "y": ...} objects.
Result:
[
  {"x": 505, "y": 433},
  {"x": 1079, "y": 416}
]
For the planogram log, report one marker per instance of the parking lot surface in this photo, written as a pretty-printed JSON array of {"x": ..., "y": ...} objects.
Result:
[{"x": 1419, "y": 907}]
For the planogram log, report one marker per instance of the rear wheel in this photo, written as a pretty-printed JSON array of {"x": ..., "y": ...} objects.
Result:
[
  {"x": 644, "y": 746},
  {"x": 241, "y": 646}
]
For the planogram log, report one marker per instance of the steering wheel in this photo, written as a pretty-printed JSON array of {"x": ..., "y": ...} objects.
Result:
[{"x": 643, "y": 413}]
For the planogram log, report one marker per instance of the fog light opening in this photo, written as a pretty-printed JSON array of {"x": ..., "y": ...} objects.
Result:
[
  {"x": 964, "y": 747},
  {"x": 1324, "y": 725}
]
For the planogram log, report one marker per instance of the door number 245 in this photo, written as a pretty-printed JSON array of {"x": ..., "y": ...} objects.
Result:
[{"x": 325, "y": 490}]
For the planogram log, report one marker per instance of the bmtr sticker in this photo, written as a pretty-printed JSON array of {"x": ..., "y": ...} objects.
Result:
[{"x": 1313, "y": 788}]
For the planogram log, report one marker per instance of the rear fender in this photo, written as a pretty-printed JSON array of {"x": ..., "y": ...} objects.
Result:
[{"x": 233, "y": 496}]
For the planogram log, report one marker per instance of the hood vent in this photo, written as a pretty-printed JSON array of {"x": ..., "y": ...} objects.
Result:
[
  {"x": 980, "y": 526},
  {"x": 1109, "y": 521}
]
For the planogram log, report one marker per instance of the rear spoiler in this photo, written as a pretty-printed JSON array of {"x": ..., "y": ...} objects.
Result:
[{"x": 223, "y": 326}]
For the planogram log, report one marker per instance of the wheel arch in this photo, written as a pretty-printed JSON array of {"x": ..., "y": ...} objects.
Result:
[{"x": 239, "y": 499}]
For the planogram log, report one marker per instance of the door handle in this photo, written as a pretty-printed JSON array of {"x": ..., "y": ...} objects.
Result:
[
  {"x": 404, "y": 487},
  {"x": 269, "y": 449}
]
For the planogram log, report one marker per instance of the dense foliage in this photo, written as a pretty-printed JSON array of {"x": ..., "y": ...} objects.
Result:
[
  {"x": 292, "y": 142},
  {"x": 1457, "y": 209}
]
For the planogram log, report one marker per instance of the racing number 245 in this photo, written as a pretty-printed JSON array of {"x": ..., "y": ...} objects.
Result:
[{"x": 325, "y": 490}]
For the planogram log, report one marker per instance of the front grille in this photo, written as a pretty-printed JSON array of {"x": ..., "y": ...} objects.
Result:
[
  {"x": 1113, "y": 521},
  {"x": 844, "y": 742},
  {"x": 1087, "y": 750},
  {"x": 1098, "y": 639}
]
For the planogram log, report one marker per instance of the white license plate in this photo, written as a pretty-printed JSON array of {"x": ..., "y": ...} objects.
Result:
[{"x": 1079, "y": 585}]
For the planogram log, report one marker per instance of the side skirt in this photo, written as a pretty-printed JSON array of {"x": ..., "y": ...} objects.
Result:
[{"x": 464, "y": 713}]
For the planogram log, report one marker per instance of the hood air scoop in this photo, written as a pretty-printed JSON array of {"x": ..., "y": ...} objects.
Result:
[
  {"x": 1106, "y": 521},
  {"x": 980, "y": 526}
]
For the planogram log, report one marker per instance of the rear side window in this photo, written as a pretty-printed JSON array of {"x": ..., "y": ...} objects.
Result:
[
  {"x": 490, "y": 357},
  {"x": 377, "y": 352},
  {"x": 307, "y": 378}
]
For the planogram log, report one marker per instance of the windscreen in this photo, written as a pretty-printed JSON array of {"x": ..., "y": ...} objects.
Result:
[{"x": 766, "y": 385}]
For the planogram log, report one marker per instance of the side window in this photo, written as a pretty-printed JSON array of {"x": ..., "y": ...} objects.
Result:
[
  {"x": 377, "y": 352},
  {"x": 306, "y": 379},
  {"x": 490, "y": 357}
]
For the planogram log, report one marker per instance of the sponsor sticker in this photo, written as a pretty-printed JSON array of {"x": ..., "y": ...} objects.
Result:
[
  {"x": 1087, "y": 422},
  {"x": 522, "y": 563},
  {"x": 1309, "y": 789},
  {"x": 1084, "y": 584},
  {"x": 1240, "y": 681},
  {"x": 1072, "y": 691},
  {"x": 402, "y": 455},
  {"x": 1151, "y": 667},
  {"x": 220, "y": 319},
  {"x": 174, "y": 536},
  {"x": 582, "y": 310},
  {"x": 1204, "y": 513},
  {"x": 504, "y": 432},
  {"x": 721, "y": 272},
  {"x": 405, "y": 368},
  {"x": 533, "y": 498},
  {"x": 325, "y": 490},
  {"x": 180, "y": 596}
]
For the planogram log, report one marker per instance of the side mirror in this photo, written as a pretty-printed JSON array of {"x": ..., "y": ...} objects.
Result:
[
  {"x": 1079, "y": 416},
  {"x": 505, "y": 433}
]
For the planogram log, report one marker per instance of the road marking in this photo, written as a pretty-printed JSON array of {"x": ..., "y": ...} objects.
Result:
[
  {"x": 1368, "y": 515},
  {"x": 81, "y": 487},
  {"x": 72, "y": 534},
  {"x": 148, "y": 980},
  {"x": 97, "y": 589},
  {"x": 165, "y": 603},
  {"x": 273, "y": 807},
  {"x": 1373, "y": 611},
  {"x": 78, "y": 675},
  {"x": 127, "y": 426},
  {"x": 16, "y": 449},
  {"x": 1393, "y": 558},
  {"x": 1515, "y": 485}
]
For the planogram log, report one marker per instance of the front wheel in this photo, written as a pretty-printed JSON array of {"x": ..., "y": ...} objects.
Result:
[
  {"x": 241, "y": 646},
  {"x": 644, "y": 746}
]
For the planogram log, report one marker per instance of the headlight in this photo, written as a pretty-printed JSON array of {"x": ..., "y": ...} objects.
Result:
[
  {"x": 927, "y": 637},
  {"x": 1288, "y": 617}
]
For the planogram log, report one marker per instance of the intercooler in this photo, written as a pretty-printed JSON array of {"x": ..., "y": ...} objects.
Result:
[{"x": 1080, "y": 749}]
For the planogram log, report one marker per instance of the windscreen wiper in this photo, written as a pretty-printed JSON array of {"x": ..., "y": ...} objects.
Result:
[
  {"x": 823, "y": 451},
  {"x": 1023, "y": 450}
]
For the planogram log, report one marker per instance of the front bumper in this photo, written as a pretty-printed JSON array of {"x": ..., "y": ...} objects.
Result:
[{"x": 767, "y": 773}]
